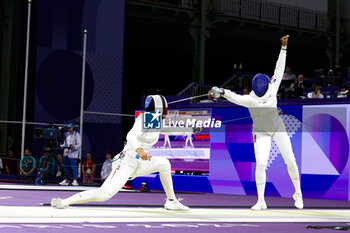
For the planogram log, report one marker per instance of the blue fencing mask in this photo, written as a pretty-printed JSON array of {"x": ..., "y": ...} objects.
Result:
[{"x": 260, "y": 84}]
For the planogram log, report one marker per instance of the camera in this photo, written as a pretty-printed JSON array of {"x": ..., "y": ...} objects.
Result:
[{"x": 52, "y": 136}]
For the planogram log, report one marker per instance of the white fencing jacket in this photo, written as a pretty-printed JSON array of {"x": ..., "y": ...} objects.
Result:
[
  {"x": 145, "y": 139},
  {"x": 263, "y": 110}
]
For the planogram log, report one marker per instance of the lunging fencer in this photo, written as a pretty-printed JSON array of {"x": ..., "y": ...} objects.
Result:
[
  {"x": 267, "y": 125},
  {"x": 135, "y": 161}
]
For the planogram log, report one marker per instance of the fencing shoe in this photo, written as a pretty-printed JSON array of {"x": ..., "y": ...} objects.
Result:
[
  {"x": 298, "y": 198},
  {"x": 173, "y": 204},
  {"x": 260, "y": 205},
  {"x": 58, "y": 203}
]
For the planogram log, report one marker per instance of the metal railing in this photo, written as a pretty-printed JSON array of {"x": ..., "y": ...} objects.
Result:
[
  {"x": 264, "y": 11},
  {"x": 195, "y": 89},
  {"x": 239, "y": 80},
  {"x": 190, "y": 4},
  {"x": 272, "y": 13}
]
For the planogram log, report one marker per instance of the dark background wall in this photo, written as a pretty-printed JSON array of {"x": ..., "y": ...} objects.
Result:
[
  {"x": 13, "y": 21},
  {"x": 58, "y": 69},
  {"x": 160, "y": 44}
]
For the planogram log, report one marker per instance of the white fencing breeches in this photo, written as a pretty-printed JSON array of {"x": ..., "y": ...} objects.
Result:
[
  {"x": 284, "y": 144},
  {"x": 120, "y": 175},
  {"x": 262, "y": 146}
]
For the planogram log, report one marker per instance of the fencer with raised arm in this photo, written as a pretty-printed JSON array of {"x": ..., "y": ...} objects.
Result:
[
  {"x": 267, "y": 125},
  {"x": 134, "y": 161}
]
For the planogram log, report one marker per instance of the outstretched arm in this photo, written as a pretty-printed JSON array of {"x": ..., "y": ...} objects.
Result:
[
  {"x": 243, "y": 100},
  {"x": 281, "y": 64}
]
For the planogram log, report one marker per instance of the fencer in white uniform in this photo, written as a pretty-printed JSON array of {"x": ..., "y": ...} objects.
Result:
[
  {"x": 267, "y": 125},
  {"x": 134, "y": 161}
]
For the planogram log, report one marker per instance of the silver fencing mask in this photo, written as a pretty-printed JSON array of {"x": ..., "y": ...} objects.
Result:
[{"x": 156, "y": 103}]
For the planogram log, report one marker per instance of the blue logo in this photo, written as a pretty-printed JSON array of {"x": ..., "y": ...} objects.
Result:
[
  {"x": 152, "y": 120},
  {"x": 148, "y": 101}
]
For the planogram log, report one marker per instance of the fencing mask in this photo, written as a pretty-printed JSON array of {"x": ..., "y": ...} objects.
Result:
[
  {"x": 156, "y": 103},
  {"x": 260, "y": 84}
]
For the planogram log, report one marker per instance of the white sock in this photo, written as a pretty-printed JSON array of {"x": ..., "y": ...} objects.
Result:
[
  {"x": 112, "y": 185},
  {"x": 293, "y": 172},
  {"x": 167, "y": 182},
  {"x": 82, "y": 197},
  {"x": 260, "y": 179}
]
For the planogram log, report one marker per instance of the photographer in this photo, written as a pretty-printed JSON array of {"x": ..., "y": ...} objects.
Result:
[{"x": 71, "y": 147}]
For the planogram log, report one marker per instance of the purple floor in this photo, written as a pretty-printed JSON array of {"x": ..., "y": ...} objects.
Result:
[
  {"x": 33, "y": 198},
  {"x": 168, "y": 227}
]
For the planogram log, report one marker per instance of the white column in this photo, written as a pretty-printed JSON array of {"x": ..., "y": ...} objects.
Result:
[
  {"x": 82, "y": 96},
  {"x": 25, "y": 81}
]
